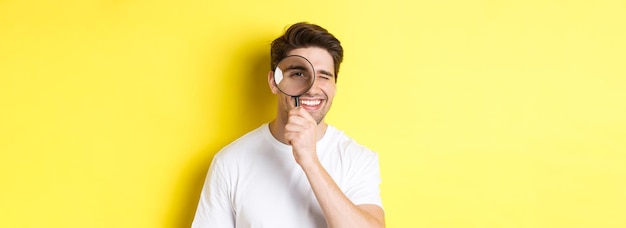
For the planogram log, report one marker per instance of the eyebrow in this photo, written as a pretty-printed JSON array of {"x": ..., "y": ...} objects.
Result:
[{"x": 295, "y": 67}]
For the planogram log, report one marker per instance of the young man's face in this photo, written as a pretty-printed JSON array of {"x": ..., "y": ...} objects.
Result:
[{"x": 318, "y": 99}]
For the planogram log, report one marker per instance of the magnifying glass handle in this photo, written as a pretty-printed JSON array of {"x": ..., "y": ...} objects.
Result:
[{"x": 297, "y": 101}]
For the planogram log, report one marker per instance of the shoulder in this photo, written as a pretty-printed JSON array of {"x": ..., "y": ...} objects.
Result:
[
  {"x": 354, "y": 166},
  {"x": 348, "y": 146},
  {"x": 244, "y": 145}
]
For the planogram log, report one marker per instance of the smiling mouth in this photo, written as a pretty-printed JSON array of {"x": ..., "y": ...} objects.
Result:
[{"x": 310, "y": 102}]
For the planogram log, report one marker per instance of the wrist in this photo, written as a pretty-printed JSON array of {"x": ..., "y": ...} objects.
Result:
[{"x": 308, "y": 163}]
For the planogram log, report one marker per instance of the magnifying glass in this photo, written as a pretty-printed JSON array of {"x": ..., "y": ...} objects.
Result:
[{"x": 294, "y": 76}]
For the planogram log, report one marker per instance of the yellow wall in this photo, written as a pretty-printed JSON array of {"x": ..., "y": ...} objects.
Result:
[{"x": 484, "y": 113}]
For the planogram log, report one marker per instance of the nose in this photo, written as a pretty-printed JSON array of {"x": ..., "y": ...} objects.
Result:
[{"x": 315, "y": 89}]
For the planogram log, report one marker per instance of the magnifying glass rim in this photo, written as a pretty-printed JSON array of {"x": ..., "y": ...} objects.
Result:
[{"x": 312, "y": 81}]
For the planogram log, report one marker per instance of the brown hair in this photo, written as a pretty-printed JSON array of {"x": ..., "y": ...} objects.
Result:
[{"x": 303, "y": 35}]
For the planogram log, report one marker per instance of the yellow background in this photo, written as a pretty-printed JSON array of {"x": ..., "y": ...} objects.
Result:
[{"x": 484, "y": 113}]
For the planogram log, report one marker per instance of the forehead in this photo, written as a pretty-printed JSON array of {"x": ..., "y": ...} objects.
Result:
[{"x": 319, "y": 57}]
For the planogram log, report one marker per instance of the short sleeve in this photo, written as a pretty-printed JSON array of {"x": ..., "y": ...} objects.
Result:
[
  {"x": 215, "y": 207},
  {"x": 364, "y": 180}
]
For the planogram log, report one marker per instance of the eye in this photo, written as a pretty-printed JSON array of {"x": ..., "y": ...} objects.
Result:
[{"x": 297, "y": 74}]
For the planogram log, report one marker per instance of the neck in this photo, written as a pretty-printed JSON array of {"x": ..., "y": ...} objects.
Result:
[{"x": 277, "y": 128}]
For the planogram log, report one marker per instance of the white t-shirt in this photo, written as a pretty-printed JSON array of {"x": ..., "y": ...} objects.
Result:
[{"x": 256, "y": 182}]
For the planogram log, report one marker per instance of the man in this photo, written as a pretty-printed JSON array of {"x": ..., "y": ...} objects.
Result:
[{"x": 296, "y": 171}]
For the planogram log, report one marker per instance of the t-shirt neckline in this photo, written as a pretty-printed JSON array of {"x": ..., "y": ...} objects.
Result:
[{"x": 330, "y": 130}]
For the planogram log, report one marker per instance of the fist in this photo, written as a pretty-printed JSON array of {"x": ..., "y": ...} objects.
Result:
[{"x": 300, "y": 133}]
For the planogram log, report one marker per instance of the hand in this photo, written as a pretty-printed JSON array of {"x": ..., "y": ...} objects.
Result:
[{"x": 300, "y": 133}]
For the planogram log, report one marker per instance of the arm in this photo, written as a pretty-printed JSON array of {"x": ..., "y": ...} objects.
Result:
[{"x": 339, "y": 211}]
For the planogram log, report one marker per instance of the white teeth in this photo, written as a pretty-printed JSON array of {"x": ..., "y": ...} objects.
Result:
[{"x": 311, "y": 102}]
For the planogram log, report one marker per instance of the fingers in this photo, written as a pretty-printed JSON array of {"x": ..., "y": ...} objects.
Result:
[
  {"x": 299, "y": 119},
  {"x": 300, "y": 126},
  {"x": 300, "y": 133}
]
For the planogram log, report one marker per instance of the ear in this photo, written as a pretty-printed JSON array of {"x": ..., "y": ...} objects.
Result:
[{"x": 270, "y": 81}]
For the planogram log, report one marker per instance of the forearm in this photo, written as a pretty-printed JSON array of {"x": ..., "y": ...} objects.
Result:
[{"x": 338, "y": 209}]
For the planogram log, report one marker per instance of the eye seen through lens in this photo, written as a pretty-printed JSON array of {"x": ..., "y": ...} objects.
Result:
[{"x": 294, "y": 75}]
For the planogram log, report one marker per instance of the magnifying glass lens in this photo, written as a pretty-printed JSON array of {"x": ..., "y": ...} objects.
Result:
[{"x": 294, "y": 75}]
